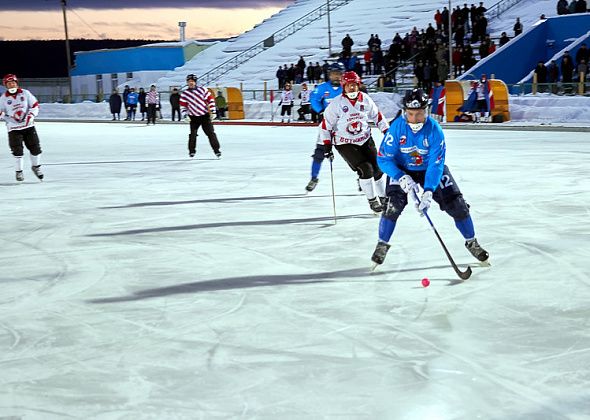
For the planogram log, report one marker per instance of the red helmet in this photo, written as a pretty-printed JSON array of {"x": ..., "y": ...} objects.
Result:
[
  {"x": 9, "y": 78},
  {"x": 350, "y": 77}
]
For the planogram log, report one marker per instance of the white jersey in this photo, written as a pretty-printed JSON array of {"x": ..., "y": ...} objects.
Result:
[
  {"x": 304, "y": 95},
  {"x": 287, "y": 97},
  {"x": 19, "y": 110},
  {"x": 347, "y": 122}
]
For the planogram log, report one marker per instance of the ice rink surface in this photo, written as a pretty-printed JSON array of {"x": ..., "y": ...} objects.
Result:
[{"x": 137, "y": 283}]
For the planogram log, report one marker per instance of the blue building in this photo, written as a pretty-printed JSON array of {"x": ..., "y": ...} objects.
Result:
[{"x": 96, "y": 73}]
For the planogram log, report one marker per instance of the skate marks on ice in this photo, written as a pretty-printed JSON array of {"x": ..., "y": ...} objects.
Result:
[
  {"x": 246, "y": 282},
  {"x": 329, "y": 219},
  {"x": 117, "y": 162},
  {"x": 223, "y": 200}
]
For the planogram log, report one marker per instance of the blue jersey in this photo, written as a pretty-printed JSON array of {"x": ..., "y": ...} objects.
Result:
[
  {"x": 402, "y": 151},
  {"x": 323, "y": 94},
  {"x": 132, "y": 98}
]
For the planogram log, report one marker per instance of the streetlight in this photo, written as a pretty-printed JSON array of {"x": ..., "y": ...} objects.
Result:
[{"x": 63, "y": 6}]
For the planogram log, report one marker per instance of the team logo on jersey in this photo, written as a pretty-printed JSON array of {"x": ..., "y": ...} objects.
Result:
[
  {"x": 9, "y": 102},
  {"x": 403, "y": 140},
  {"x": 418, "y": 160},
  {"x": 354, "y": 127},
  {"x": 425, "y": 142},
  {"x": 362, "y": 107},
  {"x": 22, "y": 98},
  {"x": 345, "y": 108}
]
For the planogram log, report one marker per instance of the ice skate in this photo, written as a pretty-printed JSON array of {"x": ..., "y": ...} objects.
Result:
[
  {"x": 20, "y": 176},
  {"x": 379, "y": 254},
  {"x": 37, "y": 171},
  {"x": 375, "y": 205},
  {"x": 476, "y": 250},
  {"x": 218, "y": 154},
  {"x": 191, "y": 154},
  {"x": 312, "y": 184}
]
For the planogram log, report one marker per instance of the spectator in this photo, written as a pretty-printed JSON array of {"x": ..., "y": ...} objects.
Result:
[
  {"x": 317, "y": 73},
  {"x": 325, "y": 68},
  {"x": 438, "y": 19},
  {"x": 517, "y": 27},
  {"x": 142, "y": 104},
  {"x": 567, "y": 68},
  {"x": 445, "y": 19},
  {"x": 301, "y": 64},
  {"x": 131, "y": 104},
  {"x": 221, "y": 105},
  {"x": 377, "y": 60},
  {"x": 562, "y": 7},
  {"x": 492, "y": 48},
  {"x": 465, "y": 12},
  {"x": 371, "y": 42},
  {"x": 581, "y": 6},
  {"x": 582, "y": 68},
  {"x": 573, "y": 6},
  {"x": 347, "y": 44},
  {"x": 504, "y": 39},
  {"x": 376, "y": 42},
  {"x": 126, "y": 91},
  {"x": 280, "y": 77},
  {"x": 541, "y": 72},
  {"x": 459, "y": 36},
  {"x": 582, "y": 54},
  {"x": 367, "y": 57},
  {"x": 152, "y": 100},
  {"x": 553, "y": 75},
  {"x": 481, "y": 10},
  {"x": 175, "y": 103},
  {"x": 115, "y": 105},
  {"x": 310, "y": 73}
]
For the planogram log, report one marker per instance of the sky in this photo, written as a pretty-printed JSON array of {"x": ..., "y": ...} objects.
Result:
[{"x": 117, "y": 19}]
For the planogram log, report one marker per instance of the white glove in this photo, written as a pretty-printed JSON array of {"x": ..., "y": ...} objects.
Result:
[
  {"x": 425, "y": 202},
  {"x": 407, "y": 184}
]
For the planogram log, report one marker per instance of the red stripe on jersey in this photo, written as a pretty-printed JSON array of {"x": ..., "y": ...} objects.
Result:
[{"x": 197, "y": 101}]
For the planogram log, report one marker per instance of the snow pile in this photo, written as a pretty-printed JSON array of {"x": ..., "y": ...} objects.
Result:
[{"x": 546, "y": 108}]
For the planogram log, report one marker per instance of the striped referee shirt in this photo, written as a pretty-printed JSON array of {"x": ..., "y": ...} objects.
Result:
[{"x": 197, "y": 101}]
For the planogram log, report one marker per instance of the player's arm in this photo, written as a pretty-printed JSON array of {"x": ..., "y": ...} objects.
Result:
[
  {"x": 33, "y": 104},
  {"x": 328, "y": 123},
  {"x": 436, "y": 160},
  {"x": 386, "y": 156},
  {"x": 317, "y": 100},
  {"x": 377, "y": 117}
]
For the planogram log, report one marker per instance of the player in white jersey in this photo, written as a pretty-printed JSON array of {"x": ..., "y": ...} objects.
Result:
[
  {"x": 18, "y": 107},
  {"x": 286, "y": 102},
  {"x": 305, "y": 103},
  {"x": 346, "y": 126}
]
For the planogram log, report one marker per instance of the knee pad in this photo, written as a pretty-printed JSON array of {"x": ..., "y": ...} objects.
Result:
[
  {"x": 318, "y": 153},
  {"x": 394, "y": 206},
  {"x": 458, "y": 209},
  {"x": 365, "y": 170}
]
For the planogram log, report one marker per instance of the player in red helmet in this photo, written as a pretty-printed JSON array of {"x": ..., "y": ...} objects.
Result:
[
  {"x": 18, "y": 108},
  {"x": 346, "y": 127}
]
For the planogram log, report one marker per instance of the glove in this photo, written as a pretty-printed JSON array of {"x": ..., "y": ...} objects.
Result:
[
  {"x": 407, "y": 184},
  {"x": 425, "y": 202},
  {"x": 328, "y": 154}
]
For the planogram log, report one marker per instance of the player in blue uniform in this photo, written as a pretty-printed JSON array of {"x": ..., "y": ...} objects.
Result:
[
  {"x": 320, "y": 98},
  {"x": 412, "y": 154}
]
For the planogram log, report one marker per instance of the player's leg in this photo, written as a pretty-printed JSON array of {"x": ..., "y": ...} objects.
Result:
[
  {"x": 192, "y": 137},
  {"x": 210, "y": 132},
  {"x": 32, "y": 143},
  {"x": 15, "y": 141},
  {"x": 356, "y": 158},
  {"x": 379, "y": 177},
  {"x": 394, "y": 206},
  {"x": 316, "y": 165},
  {"x": 450, "y": 199}
]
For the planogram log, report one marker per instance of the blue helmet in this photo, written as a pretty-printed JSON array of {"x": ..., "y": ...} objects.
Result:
[{"x": 337, "y": 66}]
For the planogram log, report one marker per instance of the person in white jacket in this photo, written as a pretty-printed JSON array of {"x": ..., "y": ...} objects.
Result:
[
  {"x": 346, "y": 127},
  {"x": 18, "y": 108}
]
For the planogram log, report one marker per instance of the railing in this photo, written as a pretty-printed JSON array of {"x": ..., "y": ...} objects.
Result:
[
  {"x": 278, "y": 36},
  {"x": 502, "y": 6}
]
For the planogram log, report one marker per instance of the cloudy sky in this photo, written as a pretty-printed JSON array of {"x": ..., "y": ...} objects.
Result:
[{"x": 122, "y": 19}]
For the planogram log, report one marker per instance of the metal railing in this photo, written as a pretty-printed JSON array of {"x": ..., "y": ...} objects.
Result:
[
  {"x": 500, "y": 7},
  {"x": 272, "y": 40}
]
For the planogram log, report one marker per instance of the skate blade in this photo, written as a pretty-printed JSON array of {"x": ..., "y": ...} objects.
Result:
[{"x": 374, "y": 267}]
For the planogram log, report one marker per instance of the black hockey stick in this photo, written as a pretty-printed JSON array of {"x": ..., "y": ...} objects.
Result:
[
  {"x": 463, "y": 275},
  {"x": 333, "y": 194}
]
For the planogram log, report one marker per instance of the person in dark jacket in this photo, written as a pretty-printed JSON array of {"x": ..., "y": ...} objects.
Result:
[
  {"x": 581, "y": 6},
  {"x": 142, "y": 104},
  {"x": 541, "y": 72},
  {"x": 115, "y": 103},
  {"x": 562, "y": 7},
  {"x": 126, "y": 91},
  {"x": 175, "y": 103}
]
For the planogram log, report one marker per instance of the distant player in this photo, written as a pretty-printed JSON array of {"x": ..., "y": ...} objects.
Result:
[
  {"x": 286, "y": 102},
  {"x": 19, "y": 107},
  {"x": 320, "y": 99},
  {"x": 412, "y": 154},
  {"x": 346, "y": 126},
  {"x": 198, "y": 105}
]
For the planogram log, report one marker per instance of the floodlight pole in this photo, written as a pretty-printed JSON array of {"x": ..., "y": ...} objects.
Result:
[
  {"x": 63, "y": 6},
  {"x": 329, "y": 29}
]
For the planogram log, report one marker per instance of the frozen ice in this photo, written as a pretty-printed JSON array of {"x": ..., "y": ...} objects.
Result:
[{"x": 139, "y": 283}]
